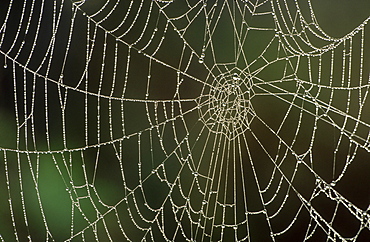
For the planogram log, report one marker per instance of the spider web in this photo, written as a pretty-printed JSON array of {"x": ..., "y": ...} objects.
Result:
[{"x": 184, "y": 120}]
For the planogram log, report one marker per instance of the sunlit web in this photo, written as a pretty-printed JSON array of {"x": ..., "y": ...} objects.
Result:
[{"x": 184, "y": 120}]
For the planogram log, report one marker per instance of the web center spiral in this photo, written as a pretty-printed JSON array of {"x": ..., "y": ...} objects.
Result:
[{"x": 227, "y": 108}]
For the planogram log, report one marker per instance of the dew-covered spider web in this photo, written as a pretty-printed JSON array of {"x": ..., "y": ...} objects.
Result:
[{"x": 184, "y": 120}]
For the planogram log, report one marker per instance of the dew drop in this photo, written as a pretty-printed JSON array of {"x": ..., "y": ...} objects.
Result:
[{"x": 5, "y": 65}]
